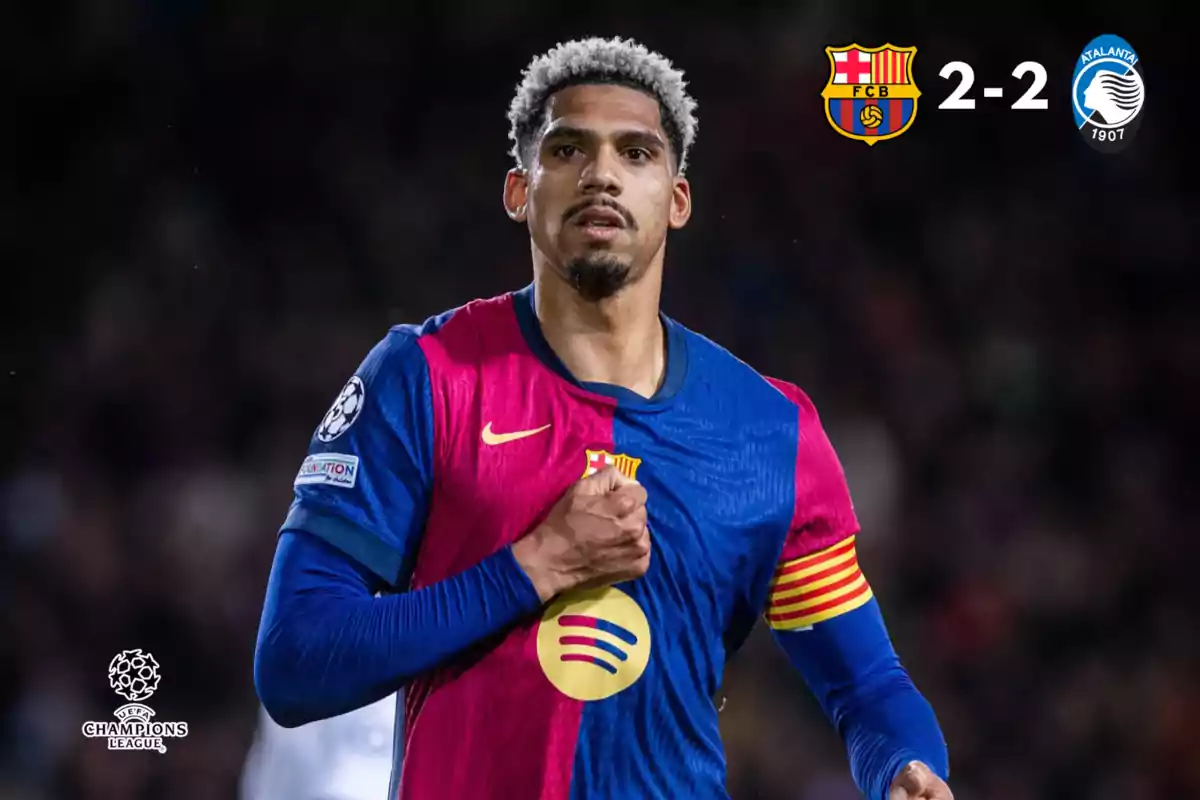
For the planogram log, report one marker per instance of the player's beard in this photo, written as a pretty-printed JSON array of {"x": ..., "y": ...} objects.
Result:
[{"x": 598, "y": 276}]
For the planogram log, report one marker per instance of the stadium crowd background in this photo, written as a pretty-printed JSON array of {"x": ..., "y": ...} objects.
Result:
[{"x": 219, "y": 213}]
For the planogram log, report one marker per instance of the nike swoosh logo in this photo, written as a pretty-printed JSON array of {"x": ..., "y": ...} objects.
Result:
[{"x": 491, "y": 438}]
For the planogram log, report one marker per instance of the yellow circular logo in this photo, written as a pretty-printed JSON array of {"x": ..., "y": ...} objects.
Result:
[{"x": 593, "y": 643}]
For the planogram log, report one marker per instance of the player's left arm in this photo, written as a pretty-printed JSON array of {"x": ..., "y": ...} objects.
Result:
[{"x": 825, "y": 617}]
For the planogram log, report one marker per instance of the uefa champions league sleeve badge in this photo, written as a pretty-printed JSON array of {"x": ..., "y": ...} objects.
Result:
[
  {"x": 133, "y": 675},
  {"x": 1108, "y": 93},
  {"x": 344, "y": 411}
]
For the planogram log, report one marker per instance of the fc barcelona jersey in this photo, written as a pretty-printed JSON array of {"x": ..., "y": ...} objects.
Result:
[{"x": 455, "y": 438}]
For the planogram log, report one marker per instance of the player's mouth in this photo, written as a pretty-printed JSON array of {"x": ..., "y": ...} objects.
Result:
[{"x": 600, "y": 223}]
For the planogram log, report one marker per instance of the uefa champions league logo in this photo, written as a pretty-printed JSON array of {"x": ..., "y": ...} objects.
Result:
[
  {"x": 343, "y": 412},
  {"x": 133, "y": 675}
]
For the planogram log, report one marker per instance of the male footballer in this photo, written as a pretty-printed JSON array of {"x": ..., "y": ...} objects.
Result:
[{"x": 577, "y": 507}]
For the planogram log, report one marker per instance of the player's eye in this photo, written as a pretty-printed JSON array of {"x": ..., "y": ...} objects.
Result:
[
  {"x": 565, "y": 151},
  {"x": 637, "y": 154}
]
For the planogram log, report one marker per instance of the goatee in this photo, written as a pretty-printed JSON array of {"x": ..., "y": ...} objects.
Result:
[{"x": 597, "y": 277}]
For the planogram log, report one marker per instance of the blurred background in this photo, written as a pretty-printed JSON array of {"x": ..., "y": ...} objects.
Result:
[{"x": 218, "y": 208}]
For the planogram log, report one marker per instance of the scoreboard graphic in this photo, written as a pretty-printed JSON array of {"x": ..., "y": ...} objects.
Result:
[{"x": 871, "y": 95}]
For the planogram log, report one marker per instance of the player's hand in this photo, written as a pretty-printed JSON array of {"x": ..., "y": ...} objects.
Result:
[
  {"x": 594, "y": 536},
  {"x": 917, "y": 782}
]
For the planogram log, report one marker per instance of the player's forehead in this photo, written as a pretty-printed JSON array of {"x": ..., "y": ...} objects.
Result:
[{"x": 603, "y": 110}]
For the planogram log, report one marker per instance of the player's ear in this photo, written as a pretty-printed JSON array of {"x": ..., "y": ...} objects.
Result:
[
  {"x": 681, "y": 203},
  {"x": 516, "y": 192}
]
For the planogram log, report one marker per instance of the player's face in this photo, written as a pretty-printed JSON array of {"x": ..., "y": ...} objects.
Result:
[{"x": 601, "y": 191}]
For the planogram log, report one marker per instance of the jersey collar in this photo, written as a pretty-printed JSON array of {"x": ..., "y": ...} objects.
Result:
[{"x": 531, "y": 330}]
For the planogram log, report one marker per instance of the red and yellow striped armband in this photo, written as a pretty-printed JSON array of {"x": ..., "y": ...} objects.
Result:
[{"x": 817, "y": 587}]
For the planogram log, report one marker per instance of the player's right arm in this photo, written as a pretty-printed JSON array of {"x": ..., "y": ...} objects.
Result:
[{"x": 326, "y": 643}]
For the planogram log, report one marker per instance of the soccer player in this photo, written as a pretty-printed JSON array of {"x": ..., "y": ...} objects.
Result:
[
  {"x": 579, "y": 506},
  {"x": 347, "y": 757}
]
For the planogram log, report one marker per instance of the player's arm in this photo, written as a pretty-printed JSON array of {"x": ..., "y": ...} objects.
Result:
[
  {"x": 327, "y": 644},
  {"x": 825, "y": 618}
]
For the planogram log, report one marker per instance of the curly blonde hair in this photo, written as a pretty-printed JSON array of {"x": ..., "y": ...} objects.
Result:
[{"x": 597, "y": 60}]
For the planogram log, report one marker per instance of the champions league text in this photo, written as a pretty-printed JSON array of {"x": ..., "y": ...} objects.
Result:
[{"x": 135, "y": 735}]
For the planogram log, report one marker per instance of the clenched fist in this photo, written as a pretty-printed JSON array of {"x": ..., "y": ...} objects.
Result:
[{"x": 594, "y": 536}]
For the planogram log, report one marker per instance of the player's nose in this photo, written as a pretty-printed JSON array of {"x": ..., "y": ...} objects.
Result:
[{"x": 600, "y": 174}]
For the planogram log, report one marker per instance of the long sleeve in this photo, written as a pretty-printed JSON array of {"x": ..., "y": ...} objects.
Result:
[
  {"x": 327, "y": 645},
  {"x": 852, "y": 668}
]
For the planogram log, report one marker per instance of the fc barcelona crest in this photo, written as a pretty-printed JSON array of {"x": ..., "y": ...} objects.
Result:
[
  {"x": 871, "y": 95},
  {"x": 599, "y": 459}
]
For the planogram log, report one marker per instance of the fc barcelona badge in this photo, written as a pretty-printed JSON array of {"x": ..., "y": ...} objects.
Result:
[{"x": 871, "y": 94}]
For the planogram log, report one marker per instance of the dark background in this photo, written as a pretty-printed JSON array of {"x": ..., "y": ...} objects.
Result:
[{"x": 218, "y": 208}]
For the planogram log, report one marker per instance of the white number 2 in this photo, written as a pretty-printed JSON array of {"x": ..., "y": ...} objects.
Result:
[
  {"x": 1030, "y": 100},
  {"x": 958, "y": 101}
]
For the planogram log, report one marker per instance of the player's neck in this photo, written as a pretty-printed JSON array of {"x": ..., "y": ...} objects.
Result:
[{"x": 618, "y": 341}]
